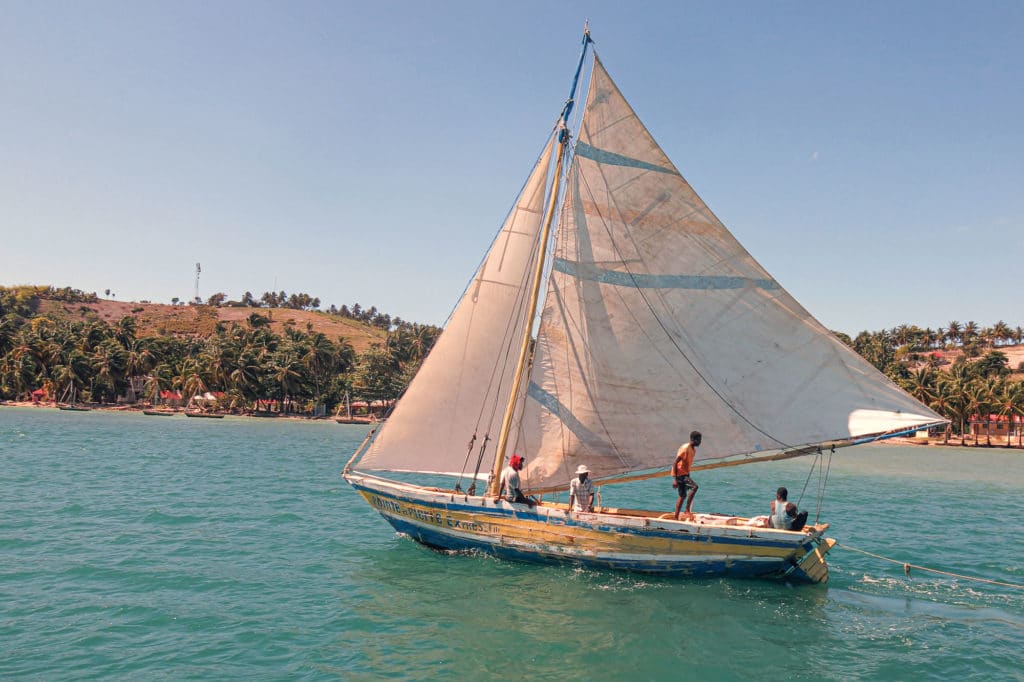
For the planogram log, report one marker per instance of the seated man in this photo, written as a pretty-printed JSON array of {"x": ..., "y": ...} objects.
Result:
[
  {"x": 778, "y": 518},
  {"x": 797, "y": 521},
  {"x": 510, "y": 489}
]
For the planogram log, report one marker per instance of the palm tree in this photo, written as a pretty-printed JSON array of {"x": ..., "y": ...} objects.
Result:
[
  {"x": 152, "y": 389},
  {"x": 109, "y": 361},
  {"x": 139, "y": 361},
  {"x": 126, "y": 330},
  {"x": 970, "y": 332},
  {"x": 320, "y": 360},
  {"x": 922, "y": 385},
  {"x": 1001, "y": 332},
  {"x": 189, "y": 380},
  {"x": 942, "y": 402},
  {"x": 17, "y": 371},
  {"x": 988, "y": 391},
  {"x": 1008, "y": 404},
  {"x": 1015, "y": 399},
  {"x": 287, "y": 374},
  {"x": 953, "y": 332},
  {"x": 8, "y": 329},
  {"x": 973, "y": 405},
  {"x": 958, "y": 381}
]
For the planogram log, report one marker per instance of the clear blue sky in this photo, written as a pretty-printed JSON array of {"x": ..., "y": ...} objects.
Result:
[{"x": 870, "y": 155}]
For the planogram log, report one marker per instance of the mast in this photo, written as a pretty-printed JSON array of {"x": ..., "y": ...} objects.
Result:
[{"x": 524, "y": 350}]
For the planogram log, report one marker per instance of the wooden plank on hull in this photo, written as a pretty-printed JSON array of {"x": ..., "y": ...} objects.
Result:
[{"x": 813, "y": 565}]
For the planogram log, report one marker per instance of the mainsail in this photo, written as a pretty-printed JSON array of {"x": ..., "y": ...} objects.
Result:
[{"x": 657, "y": 322}]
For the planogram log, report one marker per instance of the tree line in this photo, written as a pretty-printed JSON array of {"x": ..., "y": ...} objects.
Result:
[
  {"x": 302, "y": 301},
  {"x": 976, "y": 384},
  {"x": 958, "y": 370},
  {"x": 100, "y": 362}
]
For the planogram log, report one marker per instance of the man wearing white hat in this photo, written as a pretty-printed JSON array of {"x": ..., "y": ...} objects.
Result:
[{"x": 581, "y": 490}]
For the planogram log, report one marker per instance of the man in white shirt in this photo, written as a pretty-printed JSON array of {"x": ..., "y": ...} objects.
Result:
[{"x": 581, "y": 490}]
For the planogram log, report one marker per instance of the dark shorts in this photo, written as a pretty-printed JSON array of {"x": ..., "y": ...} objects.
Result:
[{"x": 684, "y": 483}]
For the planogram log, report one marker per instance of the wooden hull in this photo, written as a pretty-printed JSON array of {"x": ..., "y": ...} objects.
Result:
[
  {"x": 625, "y": 540},
  {"x": 74, "y": 408},
  {"x": 159, "y": 413},
  {"x": 204, "y": 416}
]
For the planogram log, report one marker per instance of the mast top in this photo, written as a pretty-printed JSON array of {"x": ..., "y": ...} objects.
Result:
[{"x": 567, "y": 109}]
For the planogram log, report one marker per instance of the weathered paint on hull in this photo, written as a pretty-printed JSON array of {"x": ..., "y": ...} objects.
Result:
[{"x": 549, "y": 535}]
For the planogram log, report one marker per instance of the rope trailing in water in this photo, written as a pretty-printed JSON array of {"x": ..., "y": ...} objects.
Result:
[{"x": 907, "y": 567}]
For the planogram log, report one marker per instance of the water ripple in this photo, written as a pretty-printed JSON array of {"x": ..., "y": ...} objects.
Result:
[{"x": 135, "y": 548}]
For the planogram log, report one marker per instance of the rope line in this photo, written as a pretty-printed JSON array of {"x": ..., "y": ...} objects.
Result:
[{"x": 908, "y": 566}]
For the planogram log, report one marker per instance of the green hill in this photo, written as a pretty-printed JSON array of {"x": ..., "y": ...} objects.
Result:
[{"x": 155, "y": 319}]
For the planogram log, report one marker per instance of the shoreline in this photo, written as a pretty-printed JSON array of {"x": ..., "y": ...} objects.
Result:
[
  {"x": 140, "y": 408},
  {"x": 998, "y": 442}
]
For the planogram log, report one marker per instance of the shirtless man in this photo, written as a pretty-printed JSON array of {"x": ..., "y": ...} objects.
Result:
[{"x": 681, "y": 473}]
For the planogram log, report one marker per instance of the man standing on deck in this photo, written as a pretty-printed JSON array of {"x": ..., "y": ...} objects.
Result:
[
  {"x": 681, "y": 473},
  {"x": 581, "y": 491}
]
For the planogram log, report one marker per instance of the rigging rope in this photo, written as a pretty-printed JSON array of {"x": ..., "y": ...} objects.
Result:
[
  {"x": 908, "y": 566},
  {"x": 823, "y": 482},
  {"x": 810, "y": 472}
]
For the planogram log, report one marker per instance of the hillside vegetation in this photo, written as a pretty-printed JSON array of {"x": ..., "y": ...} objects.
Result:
[
  {"x": 155, "y": 319},
  {"x": 280, "y": 349},
  {"x": 64, "y": 344}
]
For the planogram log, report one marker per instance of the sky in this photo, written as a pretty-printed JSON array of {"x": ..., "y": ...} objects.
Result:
[{"x": 870, "y": 155}]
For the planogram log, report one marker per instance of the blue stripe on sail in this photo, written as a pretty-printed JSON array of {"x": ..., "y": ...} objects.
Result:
[
  {"x": 611, "y": 158},
  {"x": 563, "y": 413},
  {"x": 645, "y": 281}
]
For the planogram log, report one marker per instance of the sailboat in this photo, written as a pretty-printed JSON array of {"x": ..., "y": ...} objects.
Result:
[
  {"x": 349, "y": 418},
  {"x": 68, "y": 403},
  {"x": 613, "y": 314}
]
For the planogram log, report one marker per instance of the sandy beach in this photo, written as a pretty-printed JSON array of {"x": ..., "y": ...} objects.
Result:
[
  {"x": 954, "y": 441},
  {"x": 139, "y": 407}
]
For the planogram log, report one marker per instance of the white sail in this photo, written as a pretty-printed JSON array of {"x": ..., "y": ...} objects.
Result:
[
  {"x": 658, "y": 322},
  {"x": 463, "y": 386}
]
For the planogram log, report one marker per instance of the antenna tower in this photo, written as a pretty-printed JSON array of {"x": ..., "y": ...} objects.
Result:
[{"x": 197, "y": 300}]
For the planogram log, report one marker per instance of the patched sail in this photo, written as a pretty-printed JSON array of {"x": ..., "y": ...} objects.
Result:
[
  {"x": 464, "y": 384},
  {"x": 658, "y": 322}
]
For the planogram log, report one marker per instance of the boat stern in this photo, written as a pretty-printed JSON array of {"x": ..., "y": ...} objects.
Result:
[{"x": 813, "y": 568}]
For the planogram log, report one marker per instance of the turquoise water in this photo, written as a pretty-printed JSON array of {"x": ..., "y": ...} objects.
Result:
[{"x": 137, "y": 547}]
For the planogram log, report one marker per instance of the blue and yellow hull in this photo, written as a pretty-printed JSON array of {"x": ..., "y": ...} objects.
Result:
[{"x": 625, "y": 540}]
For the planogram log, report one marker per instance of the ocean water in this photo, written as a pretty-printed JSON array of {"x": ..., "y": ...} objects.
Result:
[{"x": 138, "y": 547}]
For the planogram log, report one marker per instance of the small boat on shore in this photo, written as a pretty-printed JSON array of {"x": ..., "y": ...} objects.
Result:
[
  {"x": 68, "y": 402},
  {"x": 357, "y": 420},
  {"x": 160, "y": 413},
  {"x": 204, "y": 415},
  {"x": 349, "y": 418}
]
